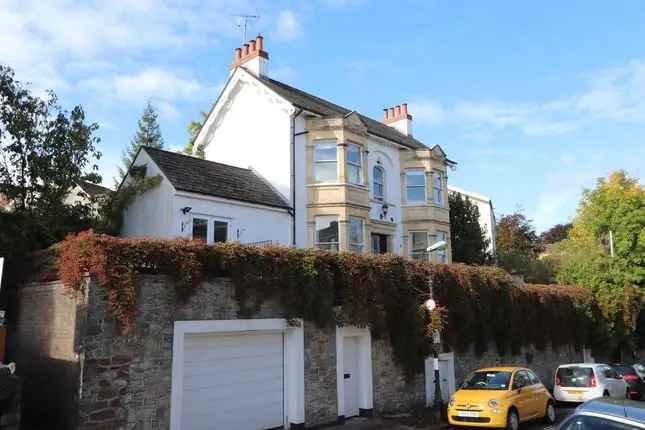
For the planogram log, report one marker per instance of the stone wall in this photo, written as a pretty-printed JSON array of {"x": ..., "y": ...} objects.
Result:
[
  {"x": 543, "y": 363},
  {"x": 42, "y": 339}
]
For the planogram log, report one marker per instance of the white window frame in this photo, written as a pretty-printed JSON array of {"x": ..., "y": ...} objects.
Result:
[
  {"x": 316, "y": 161},
  {"x": 358, "y": 165},
  {"x": 412, "y": 253},
  {"x": 425, "y": 186},
  {"x": 437, "y": 193},
  {"x": 359, "y": 245},
  {"x": 210, "y": 226},
  {"x": 317, "y": 244},
  {"x": 294, "y": 363},
  {"x": 442, "y": 254},
  {"x": 375, "y": 183}
]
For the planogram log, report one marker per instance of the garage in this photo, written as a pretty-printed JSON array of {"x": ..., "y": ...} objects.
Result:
[{"x": 234, "y": 374}]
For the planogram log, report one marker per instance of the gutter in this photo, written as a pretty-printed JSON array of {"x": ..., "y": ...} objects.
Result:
[{"x": 293, "y": 175}]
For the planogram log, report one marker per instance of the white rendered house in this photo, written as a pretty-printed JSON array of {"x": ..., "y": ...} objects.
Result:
[{"x": 486, "y": 213}]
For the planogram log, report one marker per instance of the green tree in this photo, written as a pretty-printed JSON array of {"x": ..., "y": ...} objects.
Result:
[
  {"x": 518, "y": 248},
  {"x": 44, "y": 152},
  {"x": 468, "y": 238},
  {"x": 610, "y": 219},
  {"x": 193, "y": 130},
  {"x": 148, "y": 134}
]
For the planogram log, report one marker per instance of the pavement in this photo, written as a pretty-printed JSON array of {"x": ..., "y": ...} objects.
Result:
[{"x": 388, "y": 424}]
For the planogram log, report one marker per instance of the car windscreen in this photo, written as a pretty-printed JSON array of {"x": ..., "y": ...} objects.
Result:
[
  {"x": 490, "y": 380},
  {"x": 574, "y": 376}
]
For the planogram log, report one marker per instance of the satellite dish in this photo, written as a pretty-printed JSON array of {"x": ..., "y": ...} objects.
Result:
[{"x": 437, "y": 246}]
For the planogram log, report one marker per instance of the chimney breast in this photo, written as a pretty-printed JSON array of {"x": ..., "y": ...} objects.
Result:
[
  {"x": 398, "y": 117},
  {"x": 252, "y": 56}
]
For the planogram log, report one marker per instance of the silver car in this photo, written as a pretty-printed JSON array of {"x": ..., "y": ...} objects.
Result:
[
  {"x": 606, "y": 414},
  {"x": 585, "y": 381}
]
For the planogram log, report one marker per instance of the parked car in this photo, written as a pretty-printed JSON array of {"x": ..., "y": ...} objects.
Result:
[
  {"x": 634, "y": 382},
  {"x": 585, "y": 381},
  {"x": 640, "y": 369},
  {"x": 606, "y": 414},
  {"x": 500, "y": 397}
]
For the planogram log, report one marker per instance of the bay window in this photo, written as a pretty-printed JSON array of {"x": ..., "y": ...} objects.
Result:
[
  {"x": 354, "y": 164},
  {"x": 378, "y": 178},
  {"x": 325, "y": 161},
  {"x": 442, "y": 254},
  {"x": 355, "y": 234},
  {"x": 419, "y": 245},
  {"x": 437, "y": 188},
  {"x": 327, "y": 232},
  {"x": 415, "y": 186}
]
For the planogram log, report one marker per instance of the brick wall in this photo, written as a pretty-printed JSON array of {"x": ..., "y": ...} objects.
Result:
[{"x": 42, "y": 339}]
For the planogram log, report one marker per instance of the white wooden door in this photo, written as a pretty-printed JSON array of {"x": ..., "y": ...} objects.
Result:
[
  {"x": 233, "y": 381},
  {"x": 350, "y": 375},
  {"x": 446, "y": 377}
]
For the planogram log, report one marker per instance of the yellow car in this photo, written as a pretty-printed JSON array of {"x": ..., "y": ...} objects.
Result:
[{"x": 500, "y": 397}]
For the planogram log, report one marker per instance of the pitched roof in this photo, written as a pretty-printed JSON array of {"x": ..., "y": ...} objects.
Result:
[
  {"x": 323, "y": 107},
  {"x": 93, "y": 189},
  {"x": 194, "y": 175}
]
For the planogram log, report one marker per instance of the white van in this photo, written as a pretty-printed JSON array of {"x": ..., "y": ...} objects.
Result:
[{"x": 585, "y": 381}]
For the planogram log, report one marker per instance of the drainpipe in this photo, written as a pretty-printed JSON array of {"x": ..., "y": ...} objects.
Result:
[{"x": 293, "y": 175}]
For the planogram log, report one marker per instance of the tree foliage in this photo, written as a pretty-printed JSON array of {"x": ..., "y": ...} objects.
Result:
[
  {"x": 44, "y": 152},
  {"x": 616, "y": 208},
  {"x": 555, "y": 234},
  {"x": 148, "y": 134},
  {"x": 468, "y": 238},
  {"x": 194, "y": 127}
]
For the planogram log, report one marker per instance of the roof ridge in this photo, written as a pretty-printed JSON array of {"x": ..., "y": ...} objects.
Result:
[
  {"x": 309, "y": 94},
  {"x": 195, "y": 158}
]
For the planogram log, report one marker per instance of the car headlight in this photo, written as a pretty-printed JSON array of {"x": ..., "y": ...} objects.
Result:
[
  {"x": 492, "y": 403},
  {"x": 452, "y": 403}
]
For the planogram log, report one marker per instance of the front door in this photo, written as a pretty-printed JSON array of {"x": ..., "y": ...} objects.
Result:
[
  {"x": 379, "y": 243},
  {"x": 350, "y": 375}
]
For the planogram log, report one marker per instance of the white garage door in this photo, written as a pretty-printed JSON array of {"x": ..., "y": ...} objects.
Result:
[{"x": 233, "y": 381}]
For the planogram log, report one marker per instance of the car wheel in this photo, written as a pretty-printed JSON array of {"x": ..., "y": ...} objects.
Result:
[
  {"x": 512, "y": 420},
  {"x": 605, "y": 394},
  {"x": 549, "y": 414}
]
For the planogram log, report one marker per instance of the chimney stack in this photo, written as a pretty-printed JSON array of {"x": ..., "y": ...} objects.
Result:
[
  {"x": 252, "y": 56},
  {"x": 399, "y": 118}
]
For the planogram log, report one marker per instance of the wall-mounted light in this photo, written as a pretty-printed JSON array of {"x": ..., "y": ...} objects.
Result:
[{"x": 186, "y": 210}]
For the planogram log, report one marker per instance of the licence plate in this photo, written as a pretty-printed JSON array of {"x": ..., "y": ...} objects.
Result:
[
  {"x": 468, "y": 414},
  {"x": 576, "y": 394}
]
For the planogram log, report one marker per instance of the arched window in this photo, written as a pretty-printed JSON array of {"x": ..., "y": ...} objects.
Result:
[{"x": 378, "y": 177}]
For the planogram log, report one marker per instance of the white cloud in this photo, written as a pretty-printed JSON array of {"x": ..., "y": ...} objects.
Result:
[
  {"x": 613, "y": 94},
  {"x": 288, "y": 26}
]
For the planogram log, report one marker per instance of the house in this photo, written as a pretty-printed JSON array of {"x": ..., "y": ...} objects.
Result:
[
  {"x": 85, "y": 192},
  {"x": 486, "y": 213},
  {"x": 205, "y": 200},
  {"x": 350, "y": 182}
]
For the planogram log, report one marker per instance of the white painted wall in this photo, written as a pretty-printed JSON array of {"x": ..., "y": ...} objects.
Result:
[
  {"x": 388, "y": 155},
  {"x": 150, "y": 214},
  {"x": 486, "y": 213},
  {"x": 251, "y": 127},
  {"x": 248, "y": 223}
]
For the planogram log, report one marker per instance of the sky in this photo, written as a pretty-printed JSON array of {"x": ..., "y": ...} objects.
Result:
[{"x": 533, "y": 100}]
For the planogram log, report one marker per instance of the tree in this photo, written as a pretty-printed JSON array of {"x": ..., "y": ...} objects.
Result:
[
  {"x": 610, "y": 219},
  {"x": 193, "y": 130},
  {"x": 468, "y": 238},
  {"x": 555, "y": 234},
  {"x": 44, "y": 152},
  {"x": 518, "y": 248},
  {"x": 148, "y": 134}
]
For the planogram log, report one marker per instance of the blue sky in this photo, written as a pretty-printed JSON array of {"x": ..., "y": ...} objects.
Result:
[{"x": 534, "y": 101}]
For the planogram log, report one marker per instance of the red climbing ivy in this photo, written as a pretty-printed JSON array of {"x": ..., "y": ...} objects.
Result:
[{"x": 384, "y": 292}]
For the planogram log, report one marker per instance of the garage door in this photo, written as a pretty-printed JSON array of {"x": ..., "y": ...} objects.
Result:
[{"x": 233, "y": 381}]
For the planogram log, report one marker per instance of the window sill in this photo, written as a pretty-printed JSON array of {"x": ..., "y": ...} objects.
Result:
[{"x": 337, "y": 184}]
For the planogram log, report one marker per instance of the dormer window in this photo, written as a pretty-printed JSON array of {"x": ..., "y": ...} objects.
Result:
[
  {"x": 378, "y": 185},
  {"x": 354, "y": 164},
  {"x": 325, "y": 162}
]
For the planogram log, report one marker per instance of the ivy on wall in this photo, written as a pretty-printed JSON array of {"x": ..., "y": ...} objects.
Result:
[{"x": 385, "y": 292}]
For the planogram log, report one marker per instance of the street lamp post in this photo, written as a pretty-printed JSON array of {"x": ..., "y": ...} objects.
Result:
[{"x": 437, "y": 404}]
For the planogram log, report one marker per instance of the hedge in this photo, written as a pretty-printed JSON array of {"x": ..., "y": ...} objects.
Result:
[{"x": 480, "y": 305}]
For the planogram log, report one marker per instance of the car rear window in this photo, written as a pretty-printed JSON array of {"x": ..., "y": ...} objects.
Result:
[
  {"x": 575, "y": 376},
  {"x": 624, "y": 369}
]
